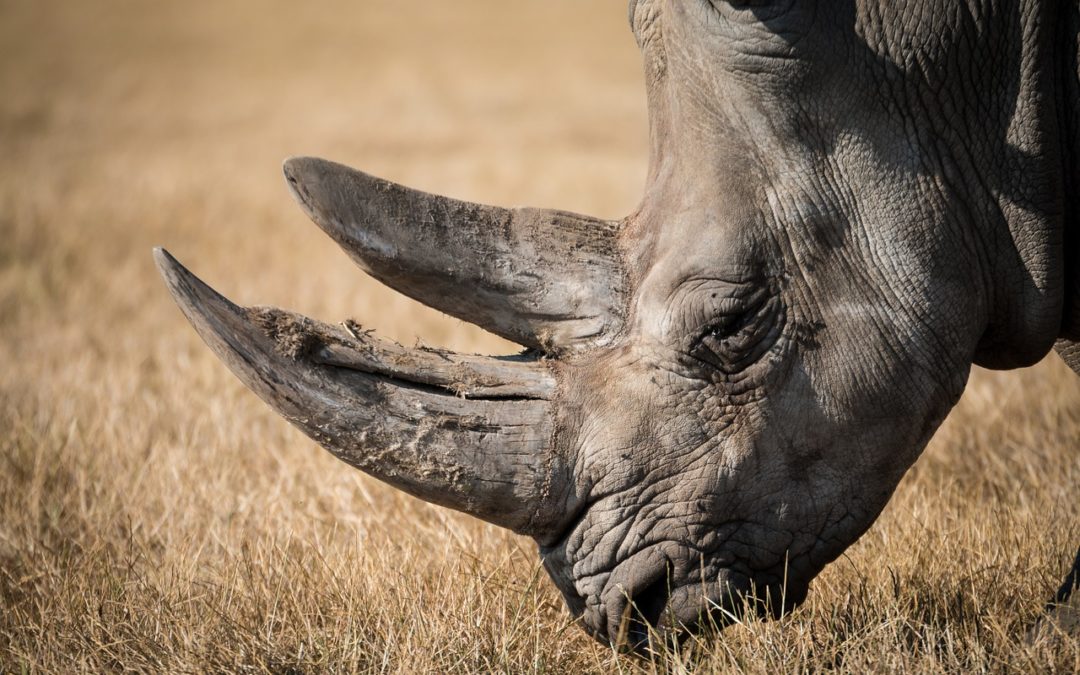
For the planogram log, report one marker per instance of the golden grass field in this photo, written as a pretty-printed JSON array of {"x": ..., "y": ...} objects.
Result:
[{"x": 156, "y": 516}]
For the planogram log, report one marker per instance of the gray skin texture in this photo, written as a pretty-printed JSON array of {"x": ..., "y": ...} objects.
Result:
[{"x": 848, "y": 204}]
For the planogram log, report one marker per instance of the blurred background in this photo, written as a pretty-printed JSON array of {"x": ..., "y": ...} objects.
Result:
[
  {"x": 155, "y": 515},
  {"x": 169, "y": 122}
]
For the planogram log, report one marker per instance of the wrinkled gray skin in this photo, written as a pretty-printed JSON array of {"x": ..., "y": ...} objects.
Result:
[{"x": 848, "y": 204}]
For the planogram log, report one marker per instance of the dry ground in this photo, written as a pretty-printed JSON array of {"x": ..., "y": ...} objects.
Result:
[{"x": 154, "y": 515}]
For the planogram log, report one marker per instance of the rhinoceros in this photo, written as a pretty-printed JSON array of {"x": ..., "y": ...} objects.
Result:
[{"x": 848, "y": 204}]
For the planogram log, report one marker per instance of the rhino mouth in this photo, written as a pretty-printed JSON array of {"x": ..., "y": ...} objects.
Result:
[
  {"x": 662, "y": 612},
  {"x": 659, "y": 613},
  {"x": 665, "y": 593}
]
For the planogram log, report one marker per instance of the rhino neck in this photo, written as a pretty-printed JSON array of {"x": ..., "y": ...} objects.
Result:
[{"x": 1069, "y": 61}]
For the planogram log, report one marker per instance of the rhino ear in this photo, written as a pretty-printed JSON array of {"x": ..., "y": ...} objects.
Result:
[{"x": 549, "y": 280}]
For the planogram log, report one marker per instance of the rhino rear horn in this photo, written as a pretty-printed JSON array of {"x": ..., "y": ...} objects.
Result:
[{"x": 545, "y": 279}]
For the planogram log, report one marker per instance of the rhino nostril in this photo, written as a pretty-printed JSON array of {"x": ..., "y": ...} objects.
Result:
[{"x": 647, "y": 609}]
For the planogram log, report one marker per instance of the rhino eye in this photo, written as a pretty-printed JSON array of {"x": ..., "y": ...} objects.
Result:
[{"x": 736, "y": 339}]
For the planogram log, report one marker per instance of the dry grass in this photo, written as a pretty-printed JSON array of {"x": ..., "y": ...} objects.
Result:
[{"x": 154, "y": 515}]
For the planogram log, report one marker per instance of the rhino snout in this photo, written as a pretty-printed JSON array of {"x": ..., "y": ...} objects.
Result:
[{"x": 662, "y": 595}]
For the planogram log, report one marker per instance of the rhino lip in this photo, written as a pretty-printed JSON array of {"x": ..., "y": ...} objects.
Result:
[
  {"x": 662, "y": 611},
  {"x": 659, "y": 609},
  {"x": 656, "y": 593}
]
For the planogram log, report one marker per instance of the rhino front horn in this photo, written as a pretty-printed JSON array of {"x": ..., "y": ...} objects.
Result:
[{"x": 466, "y": 432}]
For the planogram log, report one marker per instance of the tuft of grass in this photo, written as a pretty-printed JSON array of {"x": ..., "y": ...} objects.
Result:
[{"x": 154, "y": 516}]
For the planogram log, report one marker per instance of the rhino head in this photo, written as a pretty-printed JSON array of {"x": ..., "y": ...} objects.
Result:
[{"x": 848, "y": 204}]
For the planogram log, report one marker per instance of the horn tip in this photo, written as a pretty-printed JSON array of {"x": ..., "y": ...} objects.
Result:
[
  {"x": 301, "y": 177},
  {"x": 170, "y": 268},
  {"x": 292, "y": 165},
  {"x": 299, "y": 167},
  {"x": 196, "y": 299}
]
